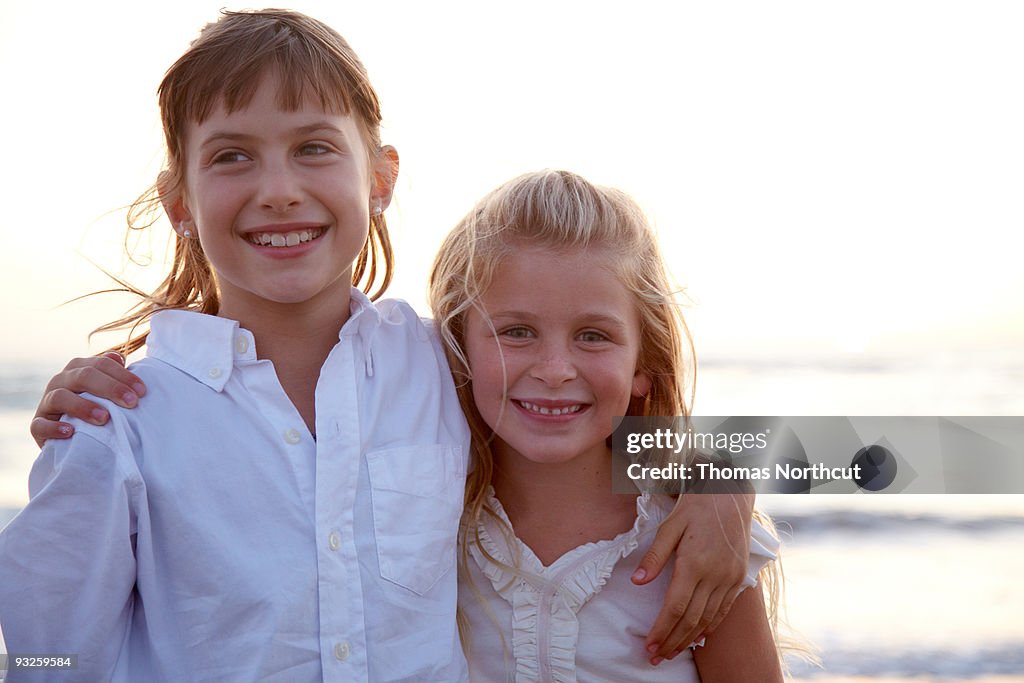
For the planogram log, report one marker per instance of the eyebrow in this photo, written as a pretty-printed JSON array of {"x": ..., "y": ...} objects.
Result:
[
  {"x": 586, "y": 318},
  {"x": 228, "y": 136}
]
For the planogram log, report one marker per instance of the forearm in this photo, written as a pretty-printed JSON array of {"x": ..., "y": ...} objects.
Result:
[{"x": 743, "y": 647}]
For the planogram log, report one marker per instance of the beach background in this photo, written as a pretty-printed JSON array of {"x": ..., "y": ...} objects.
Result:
[{"x": 837, "y": 186}]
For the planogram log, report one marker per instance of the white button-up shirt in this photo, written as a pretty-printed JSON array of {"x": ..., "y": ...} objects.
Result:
[{"x": 207, "y": 536}]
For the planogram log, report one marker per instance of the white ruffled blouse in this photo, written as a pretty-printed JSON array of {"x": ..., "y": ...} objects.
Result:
[{"x": 579, "y": 619}]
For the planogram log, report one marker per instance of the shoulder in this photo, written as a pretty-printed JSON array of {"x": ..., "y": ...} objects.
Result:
[
  {"x": 166, "y": 388},
  {"x": 397, "y": 313},
  {"x": 402, "y": 328},
  {"x": 94, "y": 458},
  {"x": 764, "y": 545},
  {"x": 110, "y": 435}
]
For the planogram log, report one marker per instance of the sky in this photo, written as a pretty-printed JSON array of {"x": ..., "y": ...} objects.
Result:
[{"x": 825, "y": 177}]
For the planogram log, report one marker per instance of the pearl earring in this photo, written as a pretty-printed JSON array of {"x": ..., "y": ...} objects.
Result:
[
  {"x": 185, "y": 232},
  {"x": 377, "y": 210}
]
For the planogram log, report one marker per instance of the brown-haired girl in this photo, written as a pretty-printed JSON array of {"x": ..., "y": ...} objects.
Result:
[{"x": 284, "y": 504}]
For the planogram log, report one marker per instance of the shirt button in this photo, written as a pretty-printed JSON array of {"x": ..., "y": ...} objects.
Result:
[
  {"x": 341, "y": 651},
  {"x": 241, "y": 344},
  {"x": 292, "y": 436},
  {"x": 334, "y": 541},
  {"x": 214, "y": 373}
]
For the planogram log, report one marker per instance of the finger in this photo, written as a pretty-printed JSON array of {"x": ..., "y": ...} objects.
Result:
[
  {"x": 106, "y": 379},
  {"x": 688, "y": 627},
  {"x": 80, "y": 375},
  {"x": 658, "y": 555},
  {"x": 60, "y": 379},
  {"x": 43, "y": 429},
  {"x": 711, "y": 610},
  {"x": 723, "y": 610},
  {"x": 115, "y": 356},
  {"x": 112, "y": 363},
  {"x": 65, "y": 402},
  {"x": 678, "y": 597}
]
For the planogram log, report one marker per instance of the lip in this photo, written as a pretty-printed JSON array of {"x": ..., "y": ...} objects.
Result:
[
  {"x": 283, "y": 228},
  {"x": 550, "y": 404}
]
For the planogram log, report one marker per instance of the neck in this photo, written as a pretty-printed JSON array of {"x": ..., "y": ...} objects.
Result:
[
  {"x": 555, "y": 507},
  {"x": 528, "y": 488},
  {"x": 297, "y": 339}
]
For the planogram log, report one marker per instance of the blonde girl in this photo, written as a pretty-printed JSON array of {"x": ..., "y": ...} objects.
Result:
[
  {"x": 556, "y": 313},
  {"x": 296, "y": 469}
]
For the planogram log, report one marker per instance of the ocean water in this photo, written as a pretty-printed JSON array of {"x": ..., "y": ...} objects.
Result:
[
  {"x": 886, "y": 588},
  {"x": 906, "y": 586}
]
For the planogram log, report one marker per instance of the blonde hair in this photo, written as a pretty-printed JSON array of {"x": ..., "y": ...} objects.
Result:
[
  {"x": 558, "y": 210},
  {"x": 225, "y": 65}
]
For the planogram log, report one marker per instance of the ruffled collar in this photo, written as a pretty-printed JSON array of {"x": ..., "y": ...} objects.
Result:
[
  {"x": 546, "y": 599},
  {"x": 650, "y": 512}
]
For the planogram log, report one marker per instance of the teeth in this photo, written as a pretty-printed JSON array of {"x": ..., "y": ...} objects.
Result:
[
  {"x": 284, "y": 239},
  {"x": 540, "y": 410}
]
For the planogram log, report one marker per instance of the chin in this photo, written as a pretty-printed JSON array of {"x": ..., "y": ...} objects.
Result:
[{"x": 543, "y": 456}]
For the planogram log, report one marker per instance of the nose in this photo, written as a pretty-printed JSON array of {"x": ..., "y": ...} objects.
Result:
[
  {"x": 554, "y": 367},
  {"x": 279, "y": 188}
]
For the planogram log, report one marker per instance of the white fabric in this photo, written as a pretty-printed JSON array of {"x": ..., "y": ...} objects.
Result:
[
  {"x": 206, "y": 536},
  {"x": 3, "y": 656},
  {"x": 581, "y": 618}
]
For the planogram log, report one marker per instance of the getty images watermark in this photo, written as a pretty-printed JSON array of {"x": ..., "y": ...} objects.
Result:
[{"x": 820, "y": 454}]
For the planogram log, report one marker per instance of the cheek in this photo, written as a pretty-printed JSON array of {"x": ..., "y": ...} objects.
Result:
[
  {"x": 487, "y": 375},
  {"x": 212, "y": 202},
  {"x": 623, "y": 381},
  {"x": 485, "y": 364}
]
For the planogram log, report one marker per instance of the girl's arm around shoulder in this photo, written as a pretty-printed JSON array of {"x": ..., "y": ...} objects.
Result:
[
  {"x": 742, "y": 648},
  {"x": 67, "y": 561},
  {"x": 709, "y": 536}
]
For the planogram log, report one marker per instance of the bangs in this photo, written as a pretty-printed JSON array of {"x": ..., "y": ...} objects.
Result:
[
  {"x": 229, "y": 60},
  {"x": 300, "y": 73},
  {"x": 559, "y": 209}
]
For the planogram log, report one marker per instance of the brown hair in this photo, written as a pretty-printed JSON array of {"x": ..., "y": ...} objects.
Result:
[{"x": 225, "y": 65}]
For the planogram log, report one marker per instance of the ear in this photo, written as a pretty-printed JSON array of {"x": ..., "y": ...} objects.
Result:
[
  {"x": 174, "y": 206},
  {"x": 641, "y": 385},
  {"x": 384, "y": 171}
]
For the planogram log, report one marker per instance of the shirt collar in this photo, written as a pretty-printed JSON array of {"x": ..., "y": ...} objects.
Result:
[
  {"x": 202, "y": 346},
  {"x": 206, "y": 347},
  {"x": 363, "y": 316},
  {"x": 363, "y": 320}
]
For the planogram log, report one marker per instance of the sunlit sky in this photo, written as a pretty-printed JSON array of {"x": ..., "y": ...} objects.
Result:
[{"x": 824, "y": 176}]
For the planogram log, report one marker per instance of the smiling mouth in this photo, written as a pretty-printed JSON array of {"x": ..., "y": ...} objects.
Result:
[
  {"x": 542, "y": 410},
  {"x": 284, "y": 239}
]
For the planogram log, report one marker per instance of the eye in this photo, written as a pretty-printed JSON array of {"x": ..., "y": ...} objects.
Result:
[
  {"x": 592, "y": 336},
  {"x": 314, "y": 149},
  {"x": 230, "y": 156},
  {"x": 517, "y": 332}
]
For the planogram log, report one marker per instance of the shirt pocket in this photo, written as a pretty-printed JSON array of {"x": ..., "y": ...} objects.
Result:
[{"x": 417, "y": 494}]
